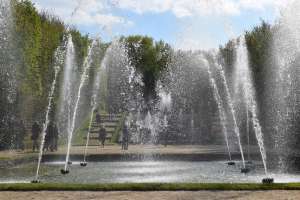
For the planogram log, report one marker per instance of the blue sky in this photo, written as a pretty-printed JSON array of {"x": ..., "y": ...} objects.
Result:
[{"x": 185, "y": 24}]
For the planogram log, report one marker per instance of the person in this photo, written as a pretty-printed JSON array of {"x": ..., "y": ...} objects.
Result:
[
  {"x": 125, "y": 138},
  {"x": 35, "y": 130},
  {"x": 98, "y": 118},
  {"x": 48, "y": 137},
  {"x": 102, "y": 135},
  {"x": 21, "y": 132}
]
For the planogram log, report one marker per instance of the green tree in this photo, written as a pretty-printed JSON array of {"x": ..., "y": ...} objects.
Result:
[{"x": 148, "y": 57}]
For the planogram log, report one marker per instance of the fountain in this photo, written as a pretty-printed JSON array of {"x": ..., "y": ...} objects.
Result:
[
  {"x": 94, "y": 104},
  {"x": 244, "y": 80},
  {"x": 59, "y": 57},
  {"x": 233, "y": 115},
  {"x": 8, "y": 75},
  {"x": 221, "y": 110},
  {"x": 284, "y": 91},
  {"x": 195, "y": 108},
  {"x": 67, "y": 89},
  {"x": 7, "y": 61},
  {"x": 84, "y": 76}
]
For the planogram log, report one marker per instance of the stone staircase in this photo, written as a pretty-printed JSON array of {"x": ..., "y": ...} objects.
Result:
[{"x": 110, "y": 122}]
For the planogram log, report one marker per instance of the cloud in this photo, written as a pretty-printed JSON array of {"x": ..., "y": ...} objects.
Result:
[
  {"x": 188, "y": 8},
  {"x": 83, "y": 13},
  {"x": 98, "y": 12}
]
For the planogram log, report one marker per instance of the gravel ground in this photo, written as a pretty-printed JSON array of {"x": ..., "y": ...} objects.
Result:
[{"x": 201, "y": 195}]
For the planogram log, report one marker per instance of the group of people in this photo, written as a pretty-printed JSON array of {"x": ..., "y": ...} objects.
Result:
[
  {"x": 51, "y": 138},
  {"x": 103, "y": 134}
]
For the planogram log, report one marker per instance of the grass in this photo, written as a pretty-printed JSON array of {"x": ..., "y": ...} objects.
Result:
[{"x": 147, "y": 187}]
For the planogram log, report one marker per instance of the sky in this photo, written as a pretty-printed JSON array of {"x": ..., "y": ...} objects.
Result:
[{"x": 185, "y": 24}]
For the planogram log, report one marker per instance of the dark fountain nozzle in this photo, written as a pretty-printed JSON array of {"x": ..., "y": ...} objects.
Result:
[
  {"x": 83, "y": 164},
  {"x": 268, "y": 180},
  {"x": 69, "y": 162},
  {"x": 36, "y": 181},
  {"x": 63, "y": 171},
  {"x": 245, "y": 170},
  {"x": 231, "y": 163}
]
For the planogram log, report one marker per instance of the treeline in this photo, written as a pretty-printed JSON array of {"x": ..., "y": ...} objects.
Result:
[
  {"x": 37, "y": 37},
  {"x": 34, "y": 39},
  {"x": 150, "y": 58}
]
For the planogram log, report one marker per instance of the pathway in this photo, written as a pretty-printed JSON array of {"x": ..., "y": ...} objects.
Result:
[{"x": 203, "y": 195}]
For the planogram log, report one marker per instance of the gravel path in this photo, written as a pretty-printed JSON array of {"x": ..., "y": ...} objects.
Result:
[{"x": 202, "y": 195}]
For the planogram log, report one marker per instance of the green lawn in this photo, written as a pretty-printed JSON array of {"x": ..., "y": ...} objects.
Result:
[{"x": 146, "y": 187}]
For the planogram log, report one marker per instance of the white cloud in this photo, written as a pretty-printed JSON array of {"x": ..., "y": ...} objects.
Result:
[
  {"x": 83, "y": 12},
  {"x": 97, "y": 12},
  {"x": 185, "y": 8}
]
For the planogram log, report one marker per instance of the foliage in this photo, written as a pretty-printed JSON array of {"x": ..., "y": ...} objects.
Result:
[
  {"x": 148, "y": 57},
  {"x": 36, "y": 36}
]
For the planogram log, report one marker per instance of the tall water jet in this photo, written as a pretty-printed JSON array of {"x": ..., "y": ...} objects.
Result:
[
  {"x": 66, "y": 94},
  {"x": 124, "y": 82},
  {"x": 59, "y": 57},
  {"x": 244, "y": 80},
  {"x": 248, "y": 130},
  {"x": 84, "y": 76},
  {"x": 94, "y": 103},
  {"x": 232, "y": 111},
  {"x": 8, "y": 70},
  {"x": 219, "y": 102},
  {"x": 185, "y": 80},
  {"x": 285, "y": 92},
  {"x": 8, "y": 76}
]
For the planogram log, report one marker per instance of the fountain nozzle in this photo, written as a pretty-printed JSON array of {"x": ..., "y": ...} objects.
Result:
[
  {"x": 268, "y": 180},
  {"x": 36, "y": 181},
  {"x": 83, "y": 164},
  {"x": 231, "y": 163},
  {"x": 63, "y": 171}
]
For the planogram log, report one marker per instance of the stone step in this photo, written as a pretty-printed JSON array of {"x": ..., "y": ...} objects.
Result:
[
  {"x": 112, "y": 115},
  {"x": 97, "y": 138},
  {"x": 107, "y": 132},
  {"x": 108, "y": 121},
  {"x": 106, "y": 126}
]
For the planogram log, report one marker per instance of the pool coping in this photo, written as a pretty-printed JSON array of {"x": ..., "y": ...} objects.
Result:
[{"x": 149, "y": 187}]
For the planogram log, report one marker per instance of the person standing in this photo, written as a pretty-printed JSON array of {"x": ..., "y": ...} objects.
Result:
[
  {"x": 48, "y": 137},
  {"x": 102, "y": 135},
  {"x": 35, "y": 130}
]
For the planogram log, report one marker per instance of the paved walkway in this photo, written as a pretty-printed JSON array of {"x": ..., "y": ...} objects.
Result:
[
  {"x": 116, "y": 149},
  {"x": 202, "y": 195},
  {"x": 139, "y": 149}
]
